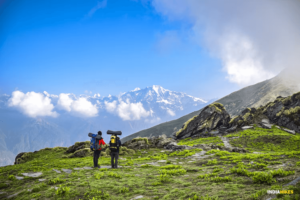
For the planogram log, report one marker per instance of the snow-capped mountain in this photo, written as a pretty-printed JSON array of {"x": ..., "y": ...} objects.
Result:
[{"x": 73, "y": 117}]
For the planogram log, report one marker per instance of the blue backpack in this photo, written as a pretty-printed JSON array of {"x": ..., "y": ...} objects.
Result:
[{"x": 94, "y": 144}]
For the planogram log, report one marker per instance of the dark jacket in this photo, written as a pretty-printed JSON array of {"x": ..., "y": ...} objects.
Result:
[{"x": 118, "y": 147}]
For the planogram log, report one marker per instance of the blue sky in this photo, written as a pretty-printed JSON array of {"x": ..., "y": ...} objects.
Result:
[{"x": 105, "y": 47}]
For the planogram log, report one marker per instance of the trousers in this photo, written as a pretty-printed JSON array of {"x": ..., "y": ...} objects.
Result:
[
  {"x": 114, "y": 159},
  {"x": 96, "y": 157}
]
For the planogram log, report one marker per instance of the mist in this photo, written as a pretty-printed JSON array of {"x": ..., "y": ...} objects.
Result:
[{"x": 255, "y": 40}]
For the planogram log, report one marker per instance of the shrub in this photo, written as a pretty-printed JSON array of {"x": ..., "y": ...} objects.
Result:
[
  {"x": 35, "y": 195},
  {"x": 164, "y": 178},
  {"x": 206, "y": 176},
  {"x": 168, "y": 162},
  {"x": 62, "y": 191},
  {"x": 263, "y": 177},
  {"x": 11, "y": 177},
  {"x": 173, "y": 172},
  {"x": 99, "y": 175},
  {"x": 241, "y": 171},
  {"x": 171, "y": 167},
  {"x": 258, "y": 165},
  {"x": 124, "y": 190},
  {"x": 217, "y": 170},
  {"x": 115, "y": 175},
  {"x": 221, "y": 179},
  {"x": 146, "y": 165},
  {"x": 211, "y": 162},
  {"x": 96, "y": 194},
  {"x": 55, "y": 181},
  {"x": 259, "y": 194},
  {"x": 298, "y": 164},
  {"x": 281, "y": 172},
  {"x": 3, "y": 185}
]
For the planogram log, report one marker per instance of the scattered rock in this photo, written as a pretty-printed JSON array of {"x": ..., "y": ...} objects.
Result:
[
  {"x": 57, "y": 171},
  {"x": 19, "y": 177},
  {"x": 32, "y": 174},
  {"x": 81, "y": 153},
  {"x": 42, "y": 180},
  {"x": 294, "y": 182},
  {"x": 138, "y": 197},
  {"x": 77, "y": 168},
  {"x": 67, "y": 171},
  {"x": 247, "y": 127},
  {"x": 289, "y": 131},
  {"x": 13, "y": 195},
  {"x": 266, "y": 126},
  {"x": 161, "y": 161},
  {"x": 87, "y": 168},
  {"x": 18, "y": 159}
]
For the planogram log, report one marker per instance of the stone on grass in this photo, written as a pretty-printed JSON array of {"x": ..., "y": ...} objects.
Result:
[
  {"x": 13, "y": 195},
  {"x": 32, "y": 174},
  {"x": 294, "y": 182},
  {"x": 67, "y": 171},
  {"x": 87, "y": 168},
  {"x": 19, "y": 177},
  {"x": 247, "y": 127},
  {"x": 289, "y": 131},
  {"x": 138, "y": 197},
  {"x": 57, "y": 171},
  {"x": 41, "y": 179},
  {"x": 266, "y": 126},
  {"x": 161, "y": 161},
  {"x": 76, "y": 168}
]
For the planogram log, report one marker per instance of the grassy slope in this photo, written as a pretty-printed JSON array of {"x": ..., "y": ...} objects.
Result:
[
  {"x": 224, "y": 175},
  {"x": 251, "y": 96}
]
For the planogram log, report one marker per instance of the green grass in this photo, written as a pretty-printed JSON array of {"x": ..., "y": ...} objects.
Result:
[
  {"x": 209, "y": 140},
  {"x": 223, "y": 175}
]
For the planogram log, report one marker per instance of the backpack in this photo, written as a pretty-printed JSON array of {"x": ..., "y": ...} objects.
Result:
[
  {"x": 113, "y": 143},
  {"x": 94, "y": 144}
]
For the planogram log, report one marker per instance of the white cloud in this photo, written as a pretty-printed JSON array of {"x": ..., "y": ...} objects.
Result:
[
  {"x": 84, "y": 107},
  {"x": 127, "y": 110},
  {"x": 100, "y": 4},
  {"x": 80, "y": 106},
  {"x": 32, "y": 104},
  {"x": 64, "y": 102},
  {"x": 171, "y": 112},
  {"x": 254, "y": 39},
  {"x": 110, "y": 106}
]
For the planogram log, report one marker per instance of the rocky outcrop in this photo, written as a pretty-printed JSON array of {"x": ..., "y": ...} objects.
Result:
[
  {"x": 81, "y": 153},
  {"x": 145, "y": 143},
  {"x": 212, "y": 119}
]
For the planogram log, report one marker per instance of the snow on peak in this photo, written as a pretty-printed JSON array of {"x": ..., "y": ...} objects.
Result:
[{"x": 136, "y": 89}]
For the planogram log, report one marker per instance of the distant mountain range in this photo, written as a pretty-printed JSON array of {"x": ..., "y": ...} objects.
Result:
[
  {"x": 285, "y": 84},
  {"x": 129, "y": 112}
]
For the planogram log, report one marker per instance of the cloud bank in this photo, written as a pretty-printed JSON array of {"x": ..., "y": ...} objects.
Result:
[
  {"x": 80, "y": 106},
  {"x": 254, "y": 39},
  {"x": 32, "y": 104},
  {"x": 127, "y": 110}
]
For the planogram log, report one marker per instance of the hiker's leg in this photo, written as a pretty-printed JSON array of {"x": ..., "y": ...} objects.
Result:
[
  {"x": 116, "y": 162},
  {"x": 95, "y": 154},
  {"x": 96, "y": 158},
  {"x": 112, "y": 159}
]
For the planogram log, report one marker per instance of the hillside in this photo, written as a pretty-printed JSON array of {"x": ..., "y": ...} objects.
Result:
[
  {"x": 213, "y": 172},
  {"x": 285, "y": 84}
]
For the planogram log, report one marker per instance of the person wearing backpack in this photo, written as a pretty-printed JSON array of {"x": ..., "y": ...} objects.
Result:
[
  {"x": 114, "y": 146},
  {"x": 97, "y": 150}
]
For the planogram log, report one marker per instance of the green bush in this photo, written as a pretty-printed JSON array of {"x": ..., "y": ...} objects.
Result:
[
  {"x": 62, "y": 191},
  {"x": 211, "y": 162},
  {"x": 298, "y": 164},
  {"x": 164, "y": 178},
  {"x": 96, "y": 194},
  {"x": 3, "y": 185},
  {"x": 114, "y": 175},
  {"x": 55, "y": 181},
  {"x": 171, "y": 167},
  {"x": 124, "y": 190},
  {"x": 281, "y": 172},
  {"x": 206, "y": 176},
  {"x": 221, "y": 179},
  {"x": 98, "y": 175},
  {"x": 259, "y": 194},
  {"x": 11, "y": 177},
  {"x": 263, "y": 177},
  {"x": 173, "y": 172}
]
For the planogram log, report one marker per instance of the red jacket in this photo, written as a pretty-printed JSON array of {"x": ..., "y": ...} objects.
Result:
[{"x": 101, "y": 142}]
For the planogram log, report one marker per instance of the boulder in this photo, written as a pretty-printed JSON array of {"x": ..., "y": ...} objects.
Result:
[{"x": 18, "y": 159}]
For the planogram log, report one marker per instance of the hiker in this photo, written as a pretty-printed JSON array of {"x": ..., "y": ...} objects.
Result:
[
  {"x": 97, "y": 152},
  {"x": 114, "y": 145}
]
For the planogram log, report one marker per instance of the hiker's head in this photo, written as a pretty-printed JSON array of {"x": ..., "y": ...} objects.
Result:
[{"x": 99, "y": 133}]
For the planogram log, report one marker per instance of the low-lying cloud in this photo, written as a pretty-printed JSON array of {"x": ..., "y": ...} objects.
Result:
[
  {"x": 80, "y": 106},
  {"x": 127, "y": 110},
  {"x": 254, "y": 39},
  {"x": 32, "y": 104}
]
